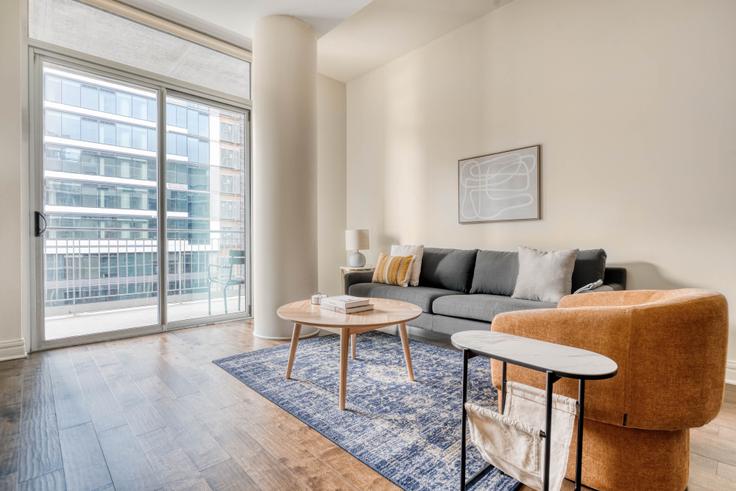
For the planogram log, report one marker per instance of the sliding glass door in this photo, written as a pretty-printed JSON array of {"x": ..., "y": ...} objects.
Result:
[
  {"x": 101, "y": 212},
  {"x": 100, "y": 207},
  {"x": 206, "y": 190}
]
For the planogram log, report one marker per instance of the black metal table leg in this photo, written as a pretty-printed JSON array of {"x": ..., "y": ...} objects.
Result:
[
  {"x": 503, "y": 386},
  {"x": 579, "y": 448},
  {"x": 551, "y": 379},
  {"x": 463, "y": 444}
]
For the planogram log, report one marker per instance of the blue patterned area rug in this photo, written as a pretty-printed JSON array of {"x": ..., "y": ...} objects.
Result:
[{"x": 408, "y": 432}]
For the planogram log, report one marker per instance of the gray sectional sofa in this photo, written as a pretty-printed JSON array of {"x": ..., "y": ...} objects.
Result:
[{"x": 466, "y": 289}]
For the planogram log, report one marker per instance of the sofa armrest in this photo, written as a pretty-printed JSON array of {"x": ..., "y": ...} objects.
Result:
[
  {"x": 602, "y": 330},
  {"x": 615, "y": 276},
  {"x": 354, "y": 277}
]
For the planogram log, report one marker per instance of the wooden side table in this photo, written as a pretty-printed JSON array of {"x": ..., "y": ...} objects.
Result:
[{"x": 555, "y": 360}]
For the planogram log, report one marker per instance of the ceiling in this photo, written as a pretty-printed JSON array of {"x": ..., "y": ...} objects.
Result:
[
  {"x": 356, "y": 35},
  {"x": 387, "y": 29},
  {"x": 234, "y": 20}
]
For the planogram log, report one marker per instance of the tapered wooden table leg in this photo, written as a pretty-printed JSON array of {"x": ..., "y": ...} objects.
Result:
[
  {"x": 353, "y": 342},
  {"x": 344, "y": 341},
  {"x": 292, "y": 349},
  {"x": 407, "y": 354}
]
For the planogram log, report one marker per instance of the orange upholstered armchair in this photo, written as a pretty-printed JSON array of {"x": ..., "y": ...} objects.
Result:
[{"x": 670, "y": 346}]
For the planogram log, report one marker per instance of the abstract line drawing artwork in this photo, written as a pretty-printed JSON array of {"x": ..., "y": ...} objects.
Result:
[{"x": 499, "y": 186}]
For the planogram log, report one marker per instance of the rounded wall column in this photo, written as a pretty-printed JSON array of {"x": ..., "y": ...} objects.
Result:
[{"x": 284, "y": 170}]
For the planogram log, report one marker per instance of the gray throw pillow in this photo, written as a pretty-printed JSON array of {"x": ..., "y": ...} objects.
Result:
[
  {"x": 495, "y": 272},
  {"x": 450, "y": 269},
  {"x": 544, "y": 275}
]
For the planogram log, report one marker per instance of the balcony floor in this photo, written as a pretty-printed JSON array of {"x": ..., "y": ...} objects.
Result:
[{"x": 83, "y": 323}]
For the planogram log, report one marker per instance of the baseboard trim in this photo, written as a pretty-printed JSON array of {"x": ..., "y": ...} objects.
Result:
[
  {"x": 731, "y": 372},
  {"x": 12, "y": 349}
]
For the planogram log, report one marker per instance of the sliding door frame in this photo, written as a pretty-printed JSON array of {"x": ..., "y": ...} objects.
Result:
[
  {"x": 184, "y": 323},
  {"x": 39, "y": 53}
]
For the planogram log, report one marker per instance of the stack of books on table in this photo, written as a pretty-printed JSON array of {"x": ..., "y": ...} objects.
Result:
[{"x": 346, "y": 304}]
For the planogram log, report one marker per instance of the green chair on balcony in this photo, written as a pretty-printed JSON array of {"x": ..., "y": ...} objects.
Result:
[{"x": 225, "y": 276}]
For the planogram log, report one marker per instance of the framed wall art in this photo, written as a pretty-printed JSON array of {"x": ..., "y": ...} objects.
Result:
[{"x": 500, "y": 186}]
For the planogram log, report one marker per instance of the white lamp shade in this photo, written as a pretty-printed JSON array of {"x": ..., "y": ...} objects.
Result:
[{"x": 357, "y": 240}]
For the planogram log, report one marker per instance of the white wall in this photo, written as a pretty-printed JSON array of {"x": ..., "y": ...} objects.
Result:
[
  {"x": 634, "y": 104},
  {"x": 330, "y": 183},
  {"x": 13, "y": 184}
]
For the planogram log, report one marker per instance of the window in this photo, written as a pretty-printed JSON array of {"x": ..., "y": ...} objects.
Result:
[
  {"x": 89, "y": 130},
  {"x": 181, "y": 145},
  {"x": 124, "y": 134},
  {"x": 230, "y": 184},
  {"x": 70, "y": 93},
  {"x": 71, "y": 160},
  {"x": 139, "y": 138},
  {"x": 107, "y": 133},
  {"x": 70, "y": 126},
  {"x": 151, "y": 139},
  {"x": 204, "y": 152},
  {"x": 230, "y": 133},
  {"x": 112, "y": 218},
  {"x": 124, "y": 104},
  {"x": 204, "y": 126},
  {"x": 192, "y": 122},
  {"x": 151, "y": 110},
  {"x": 139, "y": 107},
  {"x": 108, "y": 101},
  {"x": 230, "y": 158},
  {"x": 90, "y": 98},
  {"x": 230, "y": 210},
  {"x": 53, "y": 123},
  {"x": 193, "y": 149},
  {"x": 52, "y": 88},
  {"x": 89, "y": 164}
]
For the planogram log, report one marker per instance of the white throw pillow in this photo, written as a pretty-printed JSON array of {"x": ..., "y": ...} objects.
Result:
[
  {"x": 411, "y": 250},
  {"x": 544, "y": 275}
]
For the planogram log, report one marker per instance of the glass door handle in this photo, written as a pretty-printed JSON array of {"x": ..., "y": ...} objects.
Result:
[{"x": 39, "y": 223}]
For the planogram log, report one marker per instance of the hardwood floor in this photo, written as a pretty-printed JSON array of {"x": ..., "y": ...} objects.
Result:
[{"x": 154, "y": 413}]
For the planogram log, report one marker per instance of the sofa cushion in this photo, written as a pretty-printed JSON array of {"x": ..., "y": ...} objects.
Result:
[
  {"x": 418, "y": 295},
  {"x": 544, "y": 275},
  {"x": 590, "y": 266},
  {"x": 449, "y": 269},
  {"x": 483, "y": 307},
  {"x": 393, "y": 270},
  {"x": 495, "y": 272}
]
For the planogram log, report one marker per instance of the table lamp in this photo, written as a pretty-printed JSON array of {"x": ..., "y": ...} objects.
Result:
[{"x": 355, "y": 241}]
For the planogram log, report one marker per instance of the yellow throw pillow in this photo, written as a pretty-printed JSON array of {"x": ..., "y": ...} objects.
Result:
[{"x": 393, "y": 270}]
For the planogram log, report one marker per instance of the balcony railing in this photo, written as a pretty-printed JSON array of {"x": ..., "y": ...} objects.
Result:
[{"x": 90, "y": 269}]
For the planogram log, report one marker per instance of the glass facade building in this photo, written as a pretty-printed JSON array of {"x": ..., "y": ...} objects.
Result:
[{"x": 100, "y": 147}]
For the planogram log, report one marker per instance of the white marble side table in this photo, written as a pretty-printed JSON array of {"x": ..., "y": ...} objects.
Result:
[{"x": 556, "y": 360}]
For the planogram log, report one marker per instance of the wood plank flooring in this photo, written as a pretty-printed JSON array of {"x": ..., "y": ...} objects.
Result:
[{"x": 154, "y": 413}]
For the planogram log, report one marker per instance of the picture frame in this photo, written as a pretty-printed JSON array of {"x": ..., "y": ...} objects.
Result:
[{"x": 500, "y": 186}]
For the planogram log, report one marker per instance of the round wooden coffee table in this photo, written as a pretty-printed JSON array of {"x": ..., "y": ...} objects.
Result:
[{"x": 385, "y": 313}]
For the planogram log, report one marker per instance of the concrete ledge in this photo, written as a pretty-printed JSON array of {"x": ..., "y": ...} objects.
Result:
[{"x": 12, "y": 349}]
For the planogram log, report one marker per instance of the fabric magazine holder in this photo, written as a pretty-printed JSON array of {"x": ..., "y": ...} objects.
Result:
[{"x": 513, "y": 440}]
